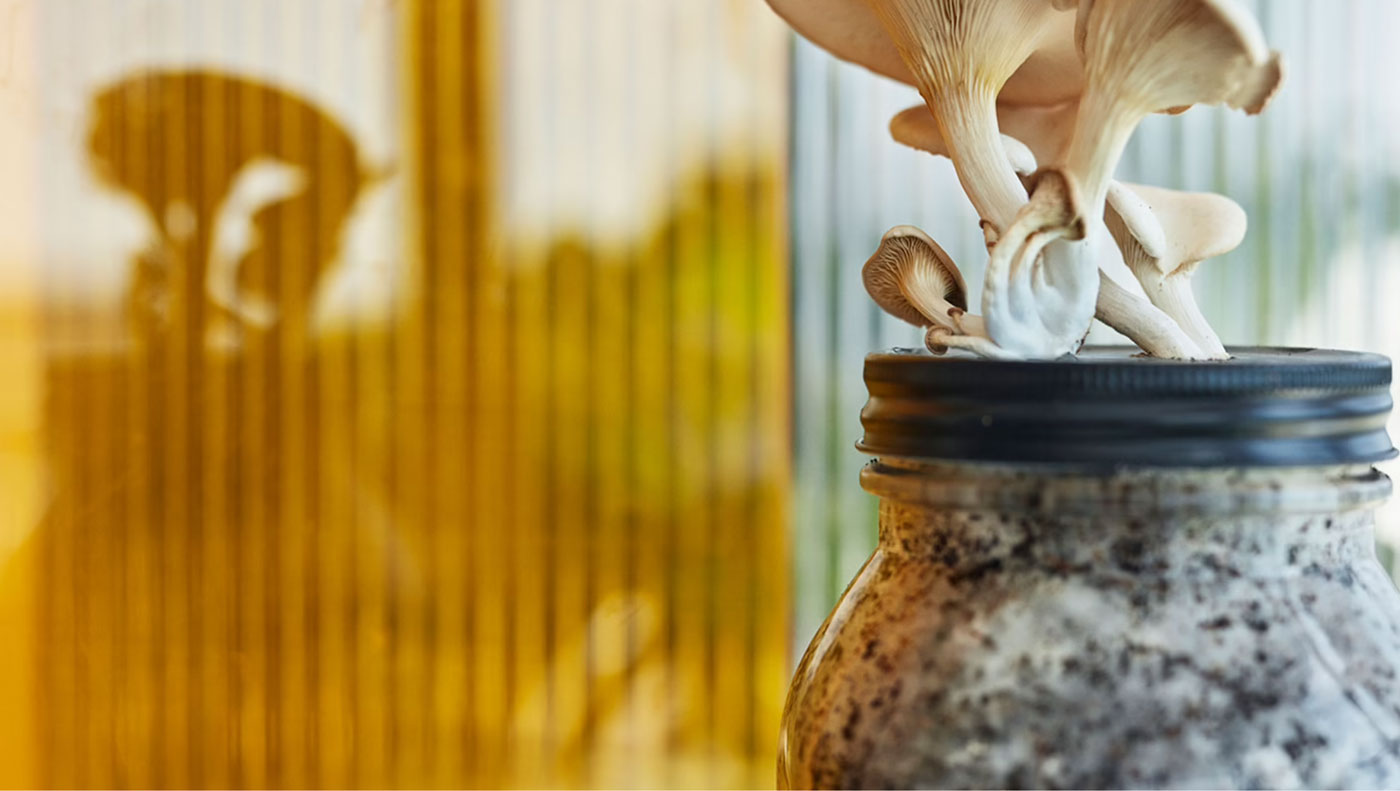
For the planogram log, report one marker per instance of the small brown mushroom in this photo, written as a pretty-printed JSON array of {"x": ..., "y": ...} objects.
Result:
[{"x": 913, "y": 279}]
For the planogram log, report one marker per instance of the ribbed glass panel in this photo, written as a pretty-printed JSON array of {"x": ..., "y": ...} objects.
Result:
[
  {"x": 396, "y": 393},
  {"x": 1318, "y": 173}
]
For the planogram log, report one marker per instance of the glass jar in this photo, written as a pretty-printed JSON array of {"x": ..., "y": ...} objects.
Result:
[{"x": 1038, "y": 613}]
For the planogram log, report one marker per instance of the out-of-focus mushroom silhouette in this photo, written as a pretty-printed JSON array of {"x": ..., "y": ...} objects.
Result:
[{"x": 184, "y": 145}]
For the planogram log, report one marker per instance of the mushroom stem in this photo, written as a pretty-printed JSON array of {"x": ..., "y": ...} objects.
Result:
[
  {"x": 1175, "y": 298},
  {"x": 933, "y": 307},
  {"x": 970, "y": 324},
  {"x": 1093, "y": 157},
  {"x": 937, "y": 337},
  {"x": 967, "y": 119},
  {"x": 1144, "y": 323},
  {"x": 1163, "y": 236}
]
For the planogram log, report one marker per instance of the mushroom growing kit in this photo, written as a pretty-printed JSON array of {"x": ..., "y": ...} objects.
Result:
[{"x": 1097, "y": 566}]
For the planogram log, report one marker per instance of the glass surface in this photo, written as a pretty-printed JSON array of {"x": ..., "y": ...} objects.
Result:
[{"x": 396, "y": 393}]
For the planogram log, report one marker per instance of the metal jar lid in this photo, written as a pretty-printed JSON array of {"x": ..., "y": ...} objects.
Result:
[{"x": 1111, "y": 407}]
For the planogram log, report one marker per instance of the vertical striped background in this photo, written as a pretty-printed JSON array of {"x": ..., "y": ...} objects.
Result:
[
  {"x": 1318, "y": 173},
  {"x": 506, "y": 506},
  {"x": 556, "y": 470}
]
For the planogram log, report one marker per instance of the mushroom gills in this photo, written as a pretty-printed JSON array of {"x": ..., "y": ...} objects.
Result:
[{"x": 913, "y": 279}]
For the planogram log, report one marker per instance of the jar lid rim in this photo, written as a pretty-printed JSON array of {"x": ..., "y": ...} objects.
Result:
[{"x": 1268, "y": 406}]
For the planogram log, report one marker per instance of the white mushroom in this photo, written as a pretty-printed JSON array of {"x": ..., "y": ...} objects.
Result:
[
  {"x": 1126, "y": 209},
  {"x": 1146, "y": 57},
  {"x": 1186, "y": 228},
  {"x": 913, "y": 279},
  {"x": 961, "y": 53},
  {"x": 1142, "y": 322},
  {"x": 1044, "y": 131},
  {"x": 1141, "y": 58},
  {"x": 850, "y": 30},
  {"x": 1145, "y": 324},
  {"x": 1042, "y": 284},
  {"x": 1022, "y": 134}
]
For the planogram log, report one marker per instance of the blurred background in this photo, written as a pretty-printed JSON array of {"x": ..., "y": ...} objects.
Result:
[{"x": 462, "y": 392}]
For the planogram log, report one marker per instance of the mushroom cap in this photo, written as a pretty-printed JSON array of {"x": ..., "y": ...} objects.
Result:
[
  {"x": 1196, "y": 225},
  {"x": 1167, "y": 55},
  {"x": 907, "y": 255},
  {"x": 851, "y": 30},
  {"x": 1021, "y": 157},
  {"x": 1137, "y": 220},
  {"x": 1032, "y": 134}
]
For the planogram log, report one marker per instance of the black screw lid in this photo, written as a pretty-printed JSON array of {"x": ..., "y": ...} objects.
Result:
[{"x": 1111, "y": 407}]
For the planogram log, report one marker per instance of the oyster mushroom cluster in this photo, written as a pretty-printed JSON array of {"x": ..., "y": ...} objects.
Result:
[{"x": 1034, "y": 102}]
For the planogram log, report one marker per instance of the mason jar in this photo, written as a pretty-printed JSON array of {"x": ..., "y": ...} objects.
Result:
[{"x": 1113, "y": 572}]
